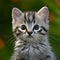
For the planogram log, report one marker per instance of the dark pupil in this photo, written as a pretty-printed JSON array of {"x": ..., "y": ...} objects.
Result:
[
  {"x": 23, "y": 27},
  {"x": 36, "y": 27}
]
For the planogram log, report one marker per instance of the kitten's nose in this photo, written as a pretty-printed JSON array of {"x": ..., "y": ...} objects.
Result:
[{"x": 29, "y": 33}]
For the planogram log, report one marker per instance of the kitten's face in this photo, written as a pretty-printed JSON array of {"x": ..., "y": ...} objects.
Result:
[{"x": 30, "y": 26}]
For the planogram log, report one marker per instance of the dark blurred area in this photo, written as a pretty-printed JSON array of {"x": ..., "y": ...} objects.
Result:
[{"x": 6, "y": 35}]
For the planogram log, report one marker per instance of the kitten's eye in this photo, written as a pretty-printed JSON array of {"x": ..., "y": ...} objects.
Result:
[
  {"x": 23, "y": 27},
  {"x": 36, "y": 27}
]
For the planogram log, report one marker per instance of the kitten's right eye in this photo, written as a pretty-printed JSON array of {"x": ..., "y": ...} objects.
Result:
[{"x": 23, "y": 27}]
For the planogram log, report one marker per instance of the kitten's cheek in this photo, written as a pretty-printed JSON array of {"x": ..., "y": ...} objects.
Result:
[
  {"x": 26, "y": 34},
  {"x": 42, "y": 33},
  {"x": 35, "y": 31},
  {"x": 24, "y": 31},
  {"x": 18, "y": 33}
]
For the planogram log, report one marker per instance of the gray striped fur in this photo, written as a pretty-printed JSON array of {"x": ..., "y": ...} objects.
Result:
[{"x": 31, "y": 43}]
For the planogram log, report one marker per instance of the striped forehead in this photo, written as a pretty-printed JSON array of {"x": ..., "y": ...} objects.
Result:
[{"x": 29, "y": 17}]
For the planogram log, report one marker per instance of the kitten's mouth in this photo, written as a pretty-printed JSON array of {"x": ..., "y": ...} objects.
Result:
[{"x": 29, "y": 36}]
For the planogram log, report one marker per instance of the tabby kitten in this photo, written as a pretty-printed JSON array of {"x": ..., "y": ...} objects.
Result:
[{"x": 31, "y": 32}]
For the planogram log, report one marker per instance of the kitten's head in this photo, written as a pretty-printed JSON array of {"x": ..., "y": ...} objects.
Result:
[{"x": 30, "y": 26}]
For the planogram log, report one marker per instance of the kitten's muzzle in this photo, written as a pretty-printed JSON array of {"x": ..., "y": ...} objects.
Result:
[{"x": 29, "y": 33}]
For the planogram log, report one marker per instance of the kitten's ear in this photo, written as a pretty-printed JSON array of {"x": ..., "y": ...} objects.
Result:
[
  {"x": 16, "y": 13},
  {"x": 44, "y": 13}
]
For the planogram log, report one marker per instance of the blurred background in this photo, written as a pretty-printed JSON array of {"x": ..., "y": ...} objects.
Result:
[{"x": 6, "y": 35}]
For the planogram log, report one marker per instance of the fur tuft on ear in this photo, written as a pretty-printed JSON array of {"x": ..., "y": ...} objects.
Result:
[
  {"x": 16, "y": 13},
  {"x": 44, "y": 13}
]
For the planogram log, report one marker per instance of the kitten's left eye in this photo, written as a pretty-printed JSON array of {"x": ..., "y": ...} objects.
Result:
[
  {"x": 36, "y": 27},
  {"x": 23, "y": 27}
]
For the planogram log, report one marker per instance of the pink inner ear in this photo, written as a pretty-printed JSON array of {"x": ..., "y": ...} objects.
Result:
[
  {"x": 16, "y": 12},
  {"x": 44, "y": 13}
]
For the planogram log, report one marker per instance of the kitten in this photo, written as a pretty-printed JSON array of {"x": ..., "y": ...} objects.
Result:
[{"x": 31, "y": 32}]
